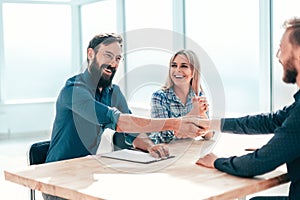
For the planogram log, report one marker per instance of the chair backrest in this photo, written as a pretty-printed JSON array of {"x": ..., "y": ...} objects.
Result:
[
  {"x": 37, "y": 152},
  {"x": 119, "y": 141}
]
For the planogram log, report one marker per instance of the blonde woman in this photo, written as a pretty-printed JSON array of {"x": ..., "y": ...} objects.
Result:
[{"x": 182, "y": 94}]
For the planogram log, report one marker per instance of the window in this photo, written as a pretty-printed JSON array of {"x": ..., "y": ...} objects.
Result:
[
  {"x": 229, "y": 33},
  {"x": 148, "y": 14},
  {"x": 147, "y": 59},
  {"x": 282, "y": 92},
  {"x": 99, "y": 17},
  {"x": 37, "y": 50}
]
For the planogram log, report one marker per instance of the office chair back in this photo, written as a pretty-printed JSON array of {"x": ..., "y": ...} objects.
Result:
[{"x": 37, "y": 155}]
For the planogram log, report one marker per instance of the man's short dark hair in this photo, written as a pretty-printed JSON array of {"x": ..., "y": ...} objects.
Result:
[
  {"x": 106, "y": 39},
  {"x": 294, "y": 24}
]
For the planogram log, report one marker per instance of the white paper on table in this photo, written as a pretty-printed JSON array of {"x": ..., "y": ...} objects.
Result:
[
  {"x": 106, "y": 144},
  {"x": 133, "y": 156}
]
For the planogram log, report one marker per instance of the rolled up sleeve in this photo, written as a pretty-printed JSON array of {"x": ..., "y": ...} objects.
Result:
[{"x": 113, "y": 114}]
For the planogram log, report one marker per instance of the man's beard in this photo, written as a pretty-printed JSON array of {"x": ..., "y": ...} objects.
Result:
[
  {"x": 290, "y": 72},
  {"x": 106, "y": 80},
  {"x": 102, "y": 80}
]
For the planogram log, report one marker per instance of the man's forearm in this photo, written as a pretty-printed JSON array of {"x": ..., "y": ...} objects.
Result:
[
  {"x": 133, "y": 124},
  {"x": 215, "y": 125}
]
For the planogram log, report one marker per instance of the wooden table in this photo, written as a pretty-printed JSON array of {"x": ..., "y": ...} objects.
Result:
[{"x": 94, "y": 177}]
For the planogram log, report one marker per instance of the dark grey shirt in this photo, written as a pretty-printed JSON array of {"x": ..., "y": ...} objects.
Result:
[{"x": 283, "y": 147}]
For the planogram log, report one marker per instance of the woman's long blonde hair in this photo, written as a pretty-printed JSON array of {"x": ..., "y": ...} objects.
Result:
[{"x": 195, "y": 65}]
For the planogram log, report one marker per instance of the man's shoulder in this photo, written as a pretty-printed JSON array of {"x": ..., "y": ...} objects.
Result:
[
  {"x": 76, "y": 79},
  {"x": 115, "y": 87}
]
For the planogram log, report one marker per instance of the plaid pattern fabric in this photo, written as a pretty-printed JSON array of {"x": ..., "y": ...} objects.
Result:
[{"x": 166, "y": 104}]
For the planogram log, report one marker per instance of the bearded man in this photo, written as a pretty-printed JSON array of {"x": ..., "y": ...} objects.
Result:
[
  {"x": 89, "y": 103},
  {"x": 284, "y": 146}
]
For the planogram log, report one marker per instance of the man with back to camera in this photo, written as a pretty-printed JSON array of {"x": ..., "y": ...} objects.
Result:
[
  {"x": 284, "y": 146},
  {"x": 90, "y": 103}
]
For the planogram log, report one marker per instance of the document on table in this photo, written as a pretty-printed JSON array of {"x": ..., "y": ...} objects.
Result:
[{"x": 133, "y": 156}]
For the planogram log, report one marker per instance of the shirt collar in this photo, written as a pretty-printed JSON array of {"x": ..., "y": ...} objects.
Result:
[
  {"x": 172, "y": 96},
  {"x": 89, "y": 80},
  {"x": 297, "y": 96},
  {"x": 108, "y": 88}
]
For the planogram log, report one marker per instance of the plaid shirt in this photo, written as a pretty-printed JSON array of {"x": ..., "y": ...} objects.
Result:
[{"x": 166, "y": 104}]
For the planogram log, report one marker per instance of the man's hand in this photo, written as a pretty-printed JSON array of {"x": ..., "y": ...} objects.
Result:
[
  {"x": 159, "y": 150},
  {"x": 192, "y": 127},
  {"x": 143, "y": 143},
  {"x": 207, "y": 161}
]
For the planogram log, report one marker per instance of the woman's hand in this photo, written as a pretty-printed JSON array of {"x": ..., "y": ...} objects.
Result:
[{"x": 200, "y": 106}]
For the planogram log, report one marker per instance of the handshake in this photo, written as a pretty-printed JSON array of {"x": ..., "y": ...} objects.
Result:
[
  {"x": 196, "y": 123},
  {"x": 193, "y": 126}
]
